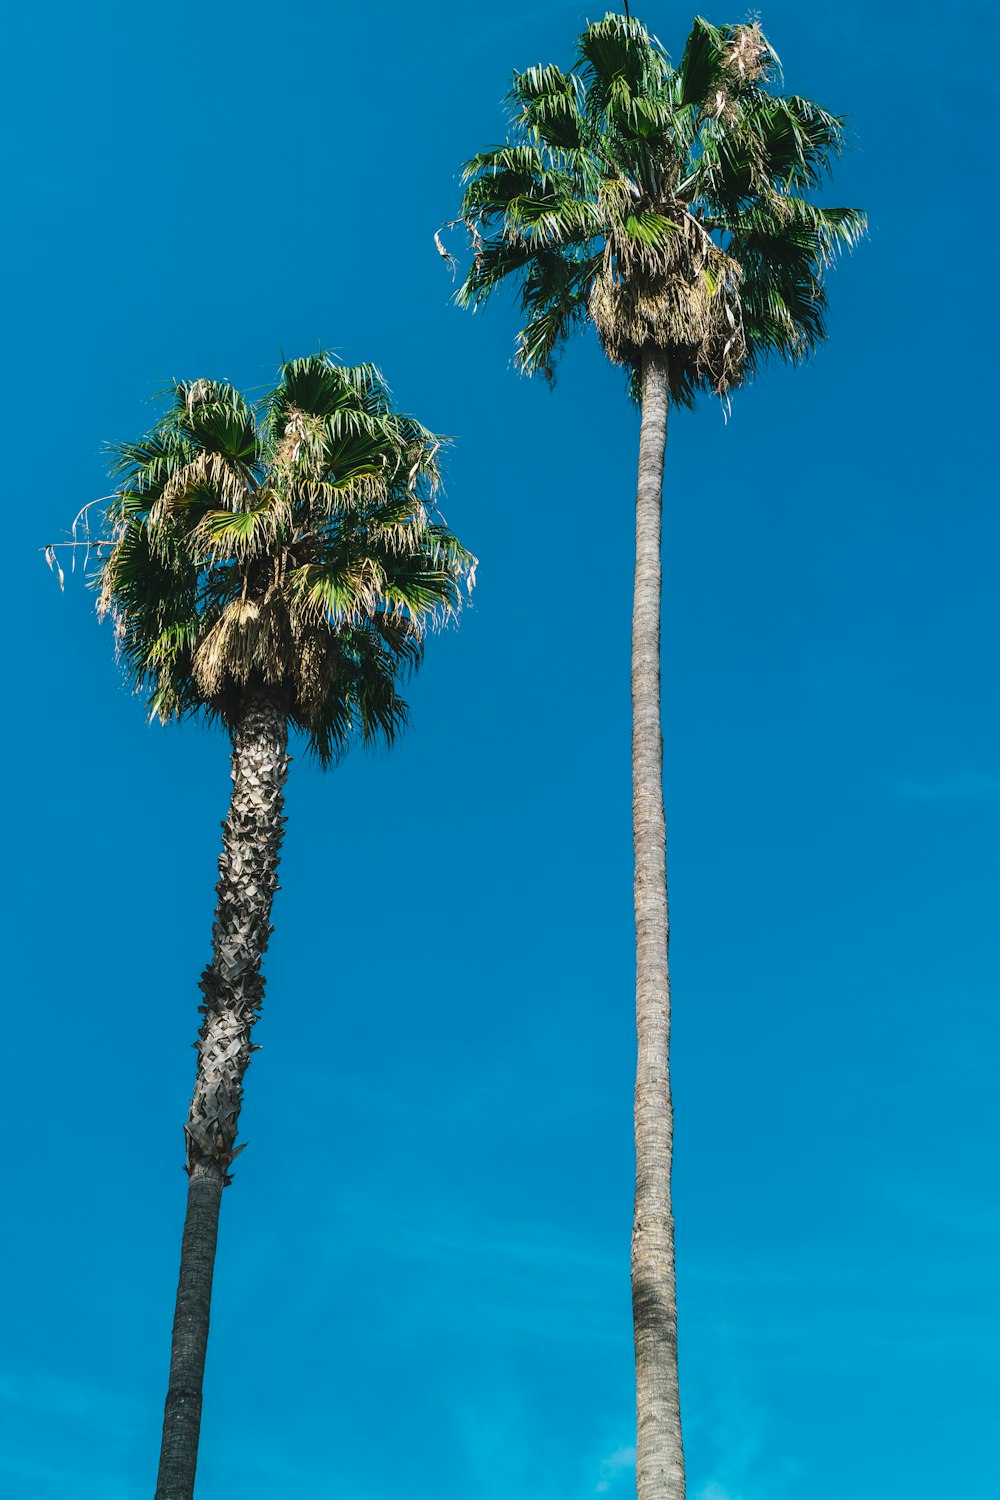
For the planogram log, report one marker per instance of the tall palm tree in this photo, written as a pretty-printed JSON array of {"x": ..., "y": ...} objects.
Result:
[
  {"x": 668, "y": 207},
  {"x": 273, "y": 567}
]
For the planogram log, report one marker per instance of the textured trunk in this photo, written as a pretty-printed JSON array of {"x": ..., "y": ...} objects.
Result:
[
  {"x": 233, "y": 991},
  {"x": 659, "y": 1451}
]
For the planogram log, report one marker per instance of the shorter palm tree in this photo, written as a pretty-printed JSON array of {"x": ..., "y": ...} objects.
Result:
[{"x": 271, "y": 567}]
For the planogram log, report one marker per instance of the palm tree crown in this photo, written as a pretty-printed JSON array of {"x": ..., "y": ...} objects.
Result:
[
  {"x": 290, "y": 546},
  {"x": 667, "y": 204}
]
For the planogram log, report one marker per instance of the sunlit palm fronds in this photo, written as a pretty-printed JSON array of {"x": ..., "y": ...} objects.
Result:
[
  {"x": 666, "y": 204},
  {"x": 292, "y": 545}
]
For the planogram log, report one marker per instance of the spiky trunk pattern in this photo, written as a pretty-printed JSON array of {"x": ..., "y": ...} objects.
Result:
[
  {"x": 233, "y": 989},
  {"x": 659, "y": 1450}
]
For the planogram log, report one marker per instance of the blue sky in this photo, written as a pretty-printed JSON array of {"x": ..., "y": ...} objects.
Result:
[{"x": 423, "y": 1275}]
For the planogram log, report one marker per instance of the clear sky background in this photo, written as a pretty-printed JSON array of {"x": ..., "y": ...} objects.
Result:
[{"x": 422, "y": 1286}]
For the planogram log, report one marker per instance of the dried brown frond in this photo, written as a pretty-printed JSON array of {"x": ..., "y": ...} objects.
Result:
[
  {"x": 315, "y": 668},
  {"x": 249, "y": 642},
  {"x": 748, "y": 57},
  {"x": 720, "y": 106},
  {"x": 302, "y": 445},
  {"x": 682, "y": 295}
]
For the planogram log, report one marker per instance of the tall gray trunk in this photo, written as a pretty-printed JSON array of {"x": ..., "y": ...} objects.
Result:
[
  {"x": 659, "y": 1450},
  {"x": 233, "y": 989}
]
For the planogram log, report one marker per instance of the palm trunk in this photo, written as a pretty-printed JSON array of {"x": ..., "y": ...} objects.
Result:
[
  {"x": 659, "y": 1450},
  {"x": 233, "y": 989}
]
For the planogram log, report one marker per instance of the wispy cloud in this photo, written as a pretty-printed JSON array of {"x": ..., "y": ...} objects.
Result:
[
  {"x": 65, "y": 1436},
  {"x": 542, "y": 1282},
  {"x": 621, "y": 1462},
  {"x": 954, "y": 786}
]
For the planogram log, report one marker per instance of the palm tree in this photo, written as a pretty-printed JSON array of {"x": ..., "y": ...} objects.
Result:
[
  {"x": 273, "y": 567},
  {"x": 668, "y": 207}
]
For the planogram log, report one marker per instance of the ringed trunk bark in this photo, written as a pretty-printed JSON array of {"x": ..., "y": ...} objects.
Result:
[
  {"x": 659, "y": 1449},
  {"x": 233, "y": 989}
]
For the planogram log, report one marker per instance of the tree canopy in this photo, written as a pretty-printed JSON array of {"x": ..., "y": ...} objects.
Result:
[
  {"x": 670, "y": 205},
  {"x": 290, "y": 545}
]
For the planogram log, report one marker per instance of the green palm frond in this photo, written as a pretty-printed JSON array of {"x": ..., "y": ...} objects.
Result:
[
  {"x": 257, "y": 531},
  {"x": 702, "y": 63},
  {"x": 619, "y": 62},
  {"x": 784, "y": 247},
  {"x": 655, "y": 231},
  {"x": 495, "y": 260},
  {"x": 555, "y": 296},
  {"x": 799, "y": 141},
  {"x": 545, "y": 101},
  {"x": 553, "y": 219},
  {"x": 215, "y": 417},
  {"x": 147, "y": 465}
]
